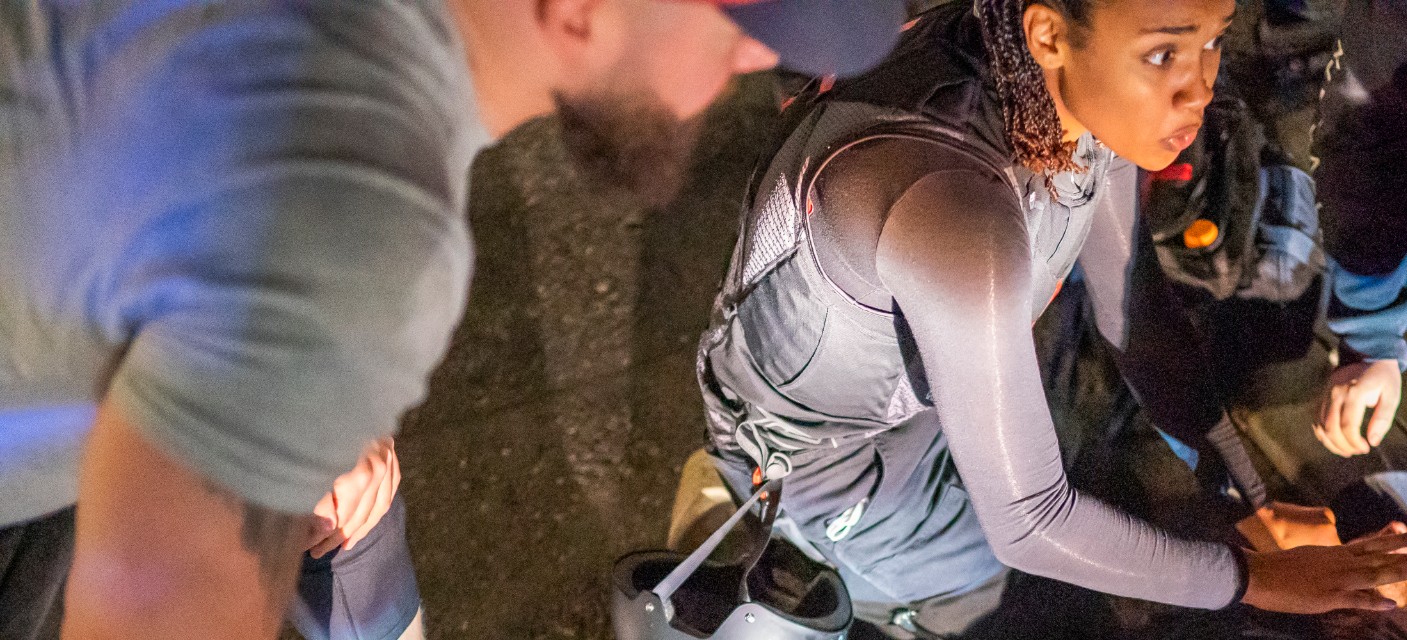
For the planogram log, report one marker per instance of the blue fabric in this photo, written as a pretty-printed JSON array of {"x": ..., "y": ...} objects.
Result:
[
  {"x": 241, "y": 223},
  {"x": 1185, "y": 453},
  {"x": 365, "y": 593},
  {"x": 1370, "y": 312}
]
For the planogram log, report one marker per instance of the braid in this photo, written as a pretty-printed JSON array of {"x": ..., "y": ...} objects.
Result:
[{"x": 1032, "y": 123}]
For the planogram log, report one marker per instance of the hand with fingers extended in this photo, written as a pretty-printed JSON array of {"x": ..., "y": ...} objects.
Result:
[
  {"x": 358, "y": 499},
  {"x": 1353, "y": 389},
  {"x": 1397, "y": 591},
  {"x": 1314, "y": 579}
]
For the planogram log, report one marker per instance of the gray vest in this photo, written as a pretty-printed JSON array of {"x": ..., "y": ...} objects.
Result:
[{"x": 790, "y": 362}]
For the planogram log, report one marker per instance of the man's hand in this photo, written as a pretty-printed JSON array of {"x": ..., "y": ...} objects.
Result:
[
  {"x": 358, "y": 499},
  {"x": 1353, "y": 389},
  {"x": 1319, "y": 579}
]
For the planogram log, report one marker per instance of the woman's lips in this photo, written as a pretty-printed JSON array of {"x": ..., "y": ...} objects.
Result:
[{"x": 1182, "y": 138}]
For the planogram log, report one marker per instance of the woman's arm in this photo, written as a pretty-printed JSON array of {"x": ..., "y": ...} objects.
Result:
[{"x": 955, "y": 256}]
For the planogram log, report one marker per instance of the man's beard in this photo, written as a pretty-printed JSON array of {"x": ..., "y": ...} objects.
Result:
[{"x": 627, "y": 143}]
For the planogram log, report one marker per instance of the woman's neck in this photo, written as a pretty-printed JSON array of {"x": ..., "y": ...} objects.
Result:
[{"x": 1071, "y": 129}]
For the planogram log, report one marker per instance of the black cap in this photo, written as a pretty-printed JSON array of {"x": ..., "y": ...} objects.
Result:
[{"x": 819, "y": 37}]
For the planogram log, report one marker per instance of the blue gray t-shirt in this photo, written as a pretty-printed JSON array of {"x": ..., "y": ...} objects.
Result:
[{"x": 241, "y": 223}]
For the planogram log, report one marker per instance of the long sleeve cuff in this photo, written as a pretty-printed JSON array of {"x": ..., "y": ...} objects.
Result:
[{"x": 1243, "y": 575}]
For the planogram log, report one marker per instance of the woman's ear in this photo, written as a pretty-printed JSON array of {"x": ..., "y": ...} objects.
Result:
[{"x": 1046, "y": 35}]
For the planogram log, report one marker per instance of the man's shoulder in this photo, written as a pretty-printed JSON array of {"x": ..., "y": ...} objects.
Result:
[
  {"x": 325, "y": 37},
  {"x": 273, "y": 145},
  {"x": 386, "y": 48},
  {"x": 205, "y": 99}
]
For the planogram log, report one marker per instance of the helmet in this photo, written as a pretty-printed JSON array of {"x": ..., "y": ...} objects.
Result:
[{"x": 777, "y": 595}]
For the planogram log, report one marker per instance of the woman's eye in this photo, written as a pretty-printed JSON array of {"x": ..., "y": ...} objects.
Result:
[
  {"x": 1158, "y": 58},
  {"x": 1214, "y": 44}
]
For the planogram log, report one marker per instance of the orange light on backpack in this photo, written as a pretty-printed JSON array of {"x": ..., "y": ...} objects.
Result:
[{"x": 1200, "y": 234}]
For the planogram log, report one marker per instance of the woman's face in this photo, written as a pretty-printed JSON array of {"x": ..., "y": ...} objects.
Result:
[{"x": 1140, "y": 74}]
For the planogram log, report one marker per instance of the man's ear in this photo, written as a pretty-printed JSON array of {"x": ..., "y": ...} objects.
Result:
[
  {"x": 1047, "y": 35},
  {"x": 566, "y": 24}
]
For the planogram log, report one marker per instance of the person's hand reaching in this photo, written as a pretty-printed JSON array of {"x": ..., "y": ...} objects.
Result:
[
  {"x": 358, "y": 499},
  {"x": 1353, "y": 388},
  {"x": 1398, "y": 590},
  {"x": 1315, "y": 579}
]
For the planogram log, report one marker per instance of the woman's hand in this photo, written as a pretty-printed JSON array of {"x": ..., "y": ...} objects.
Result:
[
  {"x": 1353, "y": 389},
  {"x": 1318, "y": 579},
  {"x": 1398, "y": 590}
]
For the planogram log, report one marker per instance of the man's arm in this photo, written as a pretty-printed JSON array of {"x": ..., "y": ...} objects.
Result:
[
  {"x": 1359, "y": 144},
  {"x": 161, "y": 552},
  {"x": 1370, "y": 314},
  {"x": 287, "y": 259}
]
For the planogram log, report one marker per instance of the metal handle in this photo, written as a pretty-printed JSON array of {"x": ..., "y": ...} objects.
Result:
[{"x": 772, "y": 490}]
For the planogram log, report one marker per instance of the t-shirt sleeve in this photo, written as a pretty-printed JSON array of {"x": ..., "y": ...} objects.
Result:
[{"x": 303, "y": 255}]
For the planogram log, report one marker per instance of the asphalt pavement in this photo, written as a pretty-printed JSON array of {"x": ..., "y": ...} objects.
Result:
[{"x": 554, "y": 432}]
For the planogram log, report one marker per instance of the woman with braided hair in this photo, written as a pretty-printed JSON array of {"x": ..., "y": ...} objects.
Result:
[{"x": 872, "y": 343}]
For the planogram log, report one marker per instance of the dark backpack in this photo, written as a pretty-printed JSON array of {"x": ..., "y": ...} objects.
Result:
[{"x": 1231, "y": 217}]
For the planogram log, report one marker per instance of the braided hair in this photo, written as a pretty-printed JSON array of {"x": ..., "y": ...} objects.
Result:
[{"x": 1032, "y": 123}]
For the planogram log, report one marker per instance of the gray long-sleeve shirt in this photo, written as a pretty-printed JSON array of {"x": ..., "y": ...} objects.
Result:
[
  {"x": 957, "y": 258},
  {"x": 938, "y": 262}
]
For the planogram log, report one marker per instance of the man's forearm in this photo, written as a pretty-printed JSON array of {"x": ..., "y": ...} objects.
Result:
[{"x": 161, "y": 552}]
